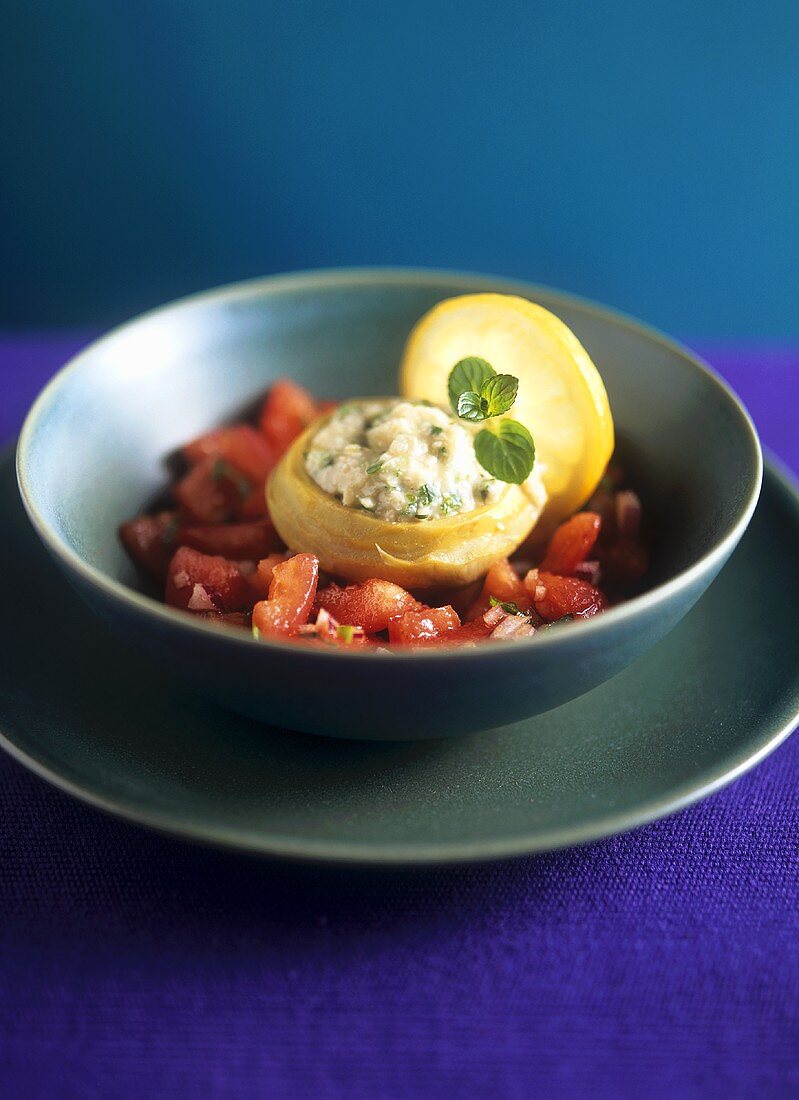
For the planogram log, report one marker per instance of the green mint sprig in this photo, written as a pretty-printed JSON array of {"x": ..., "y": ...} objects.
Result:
[{"x": 476, "y": 393}]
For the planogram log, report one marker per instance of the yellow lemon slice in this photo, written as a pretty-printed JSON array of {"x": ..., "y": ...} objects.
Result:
[{"x": 561, "y": 400}]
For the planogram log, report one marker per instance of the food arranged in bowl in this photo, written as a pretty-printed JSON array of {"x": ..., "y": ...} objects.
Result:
[{"x": 426, "y": 519}]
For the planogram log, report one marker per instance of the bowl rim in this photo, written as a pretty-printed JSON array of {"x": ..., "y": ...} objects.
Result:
[{"x": 460, "y": 282}]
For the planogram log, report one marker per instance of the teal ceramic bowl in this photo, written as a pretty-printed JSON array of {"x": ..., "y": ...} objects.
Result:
[{"x": 92, "y": 453}]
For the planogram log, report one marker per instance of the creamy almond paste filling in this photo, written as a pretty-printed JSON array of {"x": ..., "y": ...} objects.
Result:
[{"x": 400, "y": 460}]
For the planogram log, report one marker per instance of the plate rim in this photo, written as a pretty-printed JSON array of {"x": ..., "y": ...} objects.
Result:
[{"x": 404, "y": 855}]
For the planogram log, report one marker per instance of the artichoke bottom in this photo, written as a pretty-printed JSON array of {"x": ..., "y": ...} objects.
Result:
[{"x": 353, "y": 544}]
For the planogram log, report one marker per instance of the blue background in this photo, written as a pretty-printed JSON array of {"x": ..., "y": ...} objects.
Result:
[{"x": 642, "y": 154}]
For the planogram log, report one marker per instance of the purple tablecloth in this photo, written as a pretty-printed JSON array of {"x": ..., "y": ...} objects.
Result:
[{"x": 664, "y": 963}]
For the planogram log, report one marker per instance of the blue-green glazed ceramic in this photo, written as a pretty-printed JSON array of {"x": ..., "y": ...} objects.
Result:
[{"x": 92, "y": 453}]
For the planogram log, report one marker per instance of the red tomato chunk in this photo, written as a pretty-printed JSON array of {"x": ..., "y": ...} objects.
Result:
[
  {"x": 466, "y": 634},
  {"x": 151, "y": 541},
  {"x": 554, "y": 596},
  {"x": 211, "y": 492},
  {"x": 422, "y": 626},
  {"x": 261, "y": 577},
  {"x": 502, "y": 583},
  {"x": 287, "y": 411},
  {"x": 240, "y": 445},
  {"x": 572, "y": 543},
  {"x": 371, "y": 604},
  {"x": 291, "y": 596},
  {"x": 239, "y": 541},
  {"x": 204, "y": 582}
]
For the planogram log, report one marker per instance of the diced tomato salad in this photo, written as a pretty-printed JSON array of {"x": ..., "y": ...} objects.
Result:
[{"x": 220, "y": 559}]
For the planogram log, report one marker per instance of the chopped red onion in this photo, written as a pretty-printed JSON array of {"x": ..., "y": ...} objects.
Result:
[
  {"x": 200, "y": 600},
  {"x": 513, "y": 626},
  {"x": 628, "y": 513},
  {"x": 495, "y": 615},
  {"x": 588, "y": 571},
  {"x": 325, "y": 625}
]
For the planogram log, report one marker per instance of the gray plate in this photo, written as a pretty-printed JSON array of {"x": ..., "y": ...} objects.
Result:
[{"x": 706, "y": 703}]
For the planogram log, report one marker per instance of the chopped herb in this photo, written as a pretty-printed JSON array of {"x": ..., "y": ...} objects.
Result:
[
  {"x": 346, "y": 633},
  {"x": 373, "y": 469},
  {"x": 426, "y": 495},
  {"x": 442, "y": 452},
  {"x": 169, "y": 533},
  {"x": 451, "y": 503},
  {"x": 506, "y": 605},
  {"x": 435, "y": 429},
  {"x": 221, "y": 469},
  {"x": 558, "y": 622}
]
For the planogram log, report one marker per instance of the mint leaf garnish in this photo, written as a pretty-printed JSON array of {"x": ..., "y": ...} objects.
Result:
[
  {"x": 477, "y": 393},
  {"x": 468, "y": 376},
  {"x": 499, "y": 393},
  {"x": 506, "y": 451},
  {"x": 471, "y": 406}
]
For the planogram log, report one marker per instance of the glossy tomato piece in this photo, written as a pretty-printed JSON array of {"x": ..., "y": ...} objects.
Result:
[
  {"x": 466, "y": 634},
  {"x": 572, "y": 543},
  {"x": 238, "y": 541},
  {"x": 205, "y": 582},
  {"x": 554, "y": 596},
  {"x": 211, "y": 492},
  {"x": 291, "y": 596},
  {"x": 151, "y": 541},
  {"x": 240, "y": 445},
  {"x": 261, "y": 577},
  {"x": 253, "y": 505},
  {"x": 501, "y": 583},
  {"x": 371, "y": 604},
  {"x": 287, "y": 411},
  {"x": 423, "y": 625}
]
